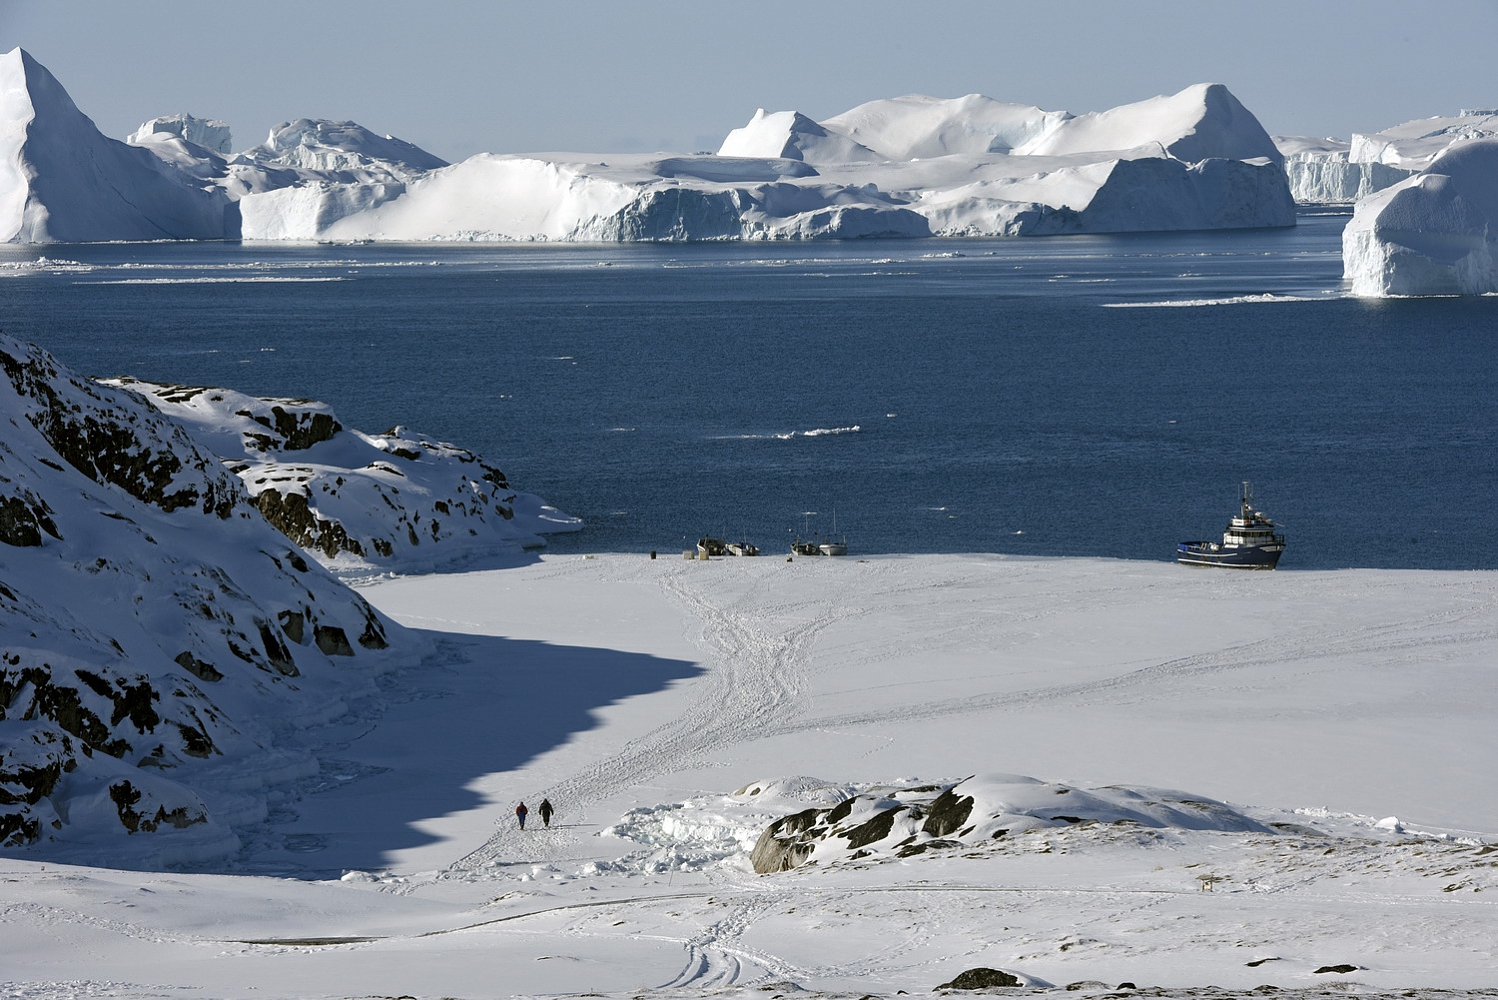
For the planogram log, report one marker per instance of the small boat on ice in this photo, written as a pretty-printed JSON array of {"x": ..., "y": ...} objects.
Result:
[{"x": 1248, "y": 542}]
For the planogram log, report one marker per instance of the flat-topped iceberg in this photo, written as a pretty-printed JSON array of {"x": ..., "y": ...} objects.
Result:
[
  {"x": 1435, "y": 233},
  {"x": 907, "y": 166},
  {"x": 1330, "y": 171}
]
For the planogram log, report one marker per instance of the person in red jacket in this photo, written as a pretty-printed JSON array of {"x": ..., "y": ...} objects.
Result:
[{"x": 520, "y": 812}]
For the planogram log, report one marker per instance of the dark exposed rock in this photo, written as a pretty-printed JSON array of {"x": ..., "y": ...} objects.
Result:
[
  {"x": 201, "y": 669},
  {"x": 980, "y": 979},
  {"x": 58, "y": 703},
  {"x": 1339, "y": 969},
  {"x": 133, "y": 448},
  {"x": 23, "y": 519},
  {"x": 276, "y": 651},
  {"x": 124, "y": 795},
  {"x": 779, "y": 849},
  {"x": 291, "y": 514},
  {"x": 948, "y": 813},
  {"x": 332, "y": 640},
  {"x": 294, "y": 624},
  {"x": 373, "y": 636},
  {"x": 873, "y": 830},
  {"x": 301, "y": 429}
]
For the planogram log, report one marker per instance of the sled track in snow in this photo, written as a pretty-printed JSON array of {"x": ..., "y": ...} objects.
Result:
[{"x": 756, "y": 678}]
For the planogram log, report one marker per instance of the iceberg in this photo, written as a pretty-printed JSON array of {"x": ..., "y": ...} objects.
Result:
[
  {"x": 1435, "y": 233},
  {"x": 61, "y": 180},
  {"x": 907, "y": 166},
  {"x": 1330, "y": 171}
]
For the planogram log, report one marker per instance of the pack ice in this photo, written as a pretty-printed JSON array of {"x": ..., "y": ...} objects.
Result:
[
  {"x": 909, "y": 166},
  {"x": 1435, "y": 233}
]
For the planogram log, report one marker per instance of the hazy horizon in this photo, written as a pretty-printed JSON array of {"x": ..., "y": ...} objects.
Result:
[{"x": 460, "y": 79}]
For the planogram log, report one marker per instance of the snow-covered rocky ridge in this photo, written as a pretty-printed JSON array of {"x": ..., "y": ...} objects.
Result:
[
  {"x": 356, "y": 502},
  {"x": 910, "y": 166},
  {"x": 157, "y": 637},
  {"x": 1331, "y": 171},
  {"x": 1435, "y": 233}
]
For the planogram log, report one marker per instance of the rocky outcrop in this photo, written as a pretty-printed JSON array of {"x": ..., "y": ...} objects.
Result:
[
  {"x": 893, "y": 822},
  {"x": 355, "y": 501},
  {"x": 156, "y": 634}
]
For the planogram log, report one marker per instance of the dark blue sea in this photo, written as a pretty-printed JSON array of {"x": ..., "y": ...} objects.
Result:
[{"x": 1027, "y": 396}]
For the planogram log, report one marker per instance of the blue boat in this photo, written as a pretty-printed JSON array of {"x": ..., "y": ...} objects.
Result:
[{"x": 1248, "y": 542}]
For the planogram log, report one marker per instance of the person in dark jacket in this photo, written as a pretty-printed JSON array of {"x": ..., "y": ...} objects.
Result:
[
  {"x": 520, "y": 813},
  {"x": 546, "y": 812}
]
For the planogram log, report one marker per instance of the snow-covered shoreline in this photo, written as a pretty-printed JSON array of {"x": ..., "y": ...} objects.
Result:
[{"x": 617, "y": 686}]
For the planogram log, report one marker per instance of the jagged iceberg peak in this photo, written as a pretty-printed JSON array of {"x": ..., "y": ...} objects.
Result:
[
  {"x": 919, "y": 127},
  {"x": 210, "y": 134},
  {"x": 339, "y": 147},
  {"x": 1202, "y": 122},
  {"x": 791, "y": 135},
  {"x": 1435, "y": 233},
  {"x": 63, "y": 180}
]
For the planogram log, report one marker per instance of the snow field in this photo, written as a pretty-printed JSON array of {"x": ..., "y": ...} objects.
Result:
[{"x": 1320, "y": 704}]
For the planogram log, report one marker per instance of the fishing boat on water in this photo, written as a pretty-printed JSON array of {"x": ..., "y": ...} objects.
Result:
[{"x": 1248, "y": 542}]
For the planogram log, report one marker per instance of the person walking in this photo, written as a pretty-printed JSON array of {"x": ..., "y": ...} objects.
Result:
[
  {"x": 546, "y": 812},
  {"x": 520, "y": 813}
]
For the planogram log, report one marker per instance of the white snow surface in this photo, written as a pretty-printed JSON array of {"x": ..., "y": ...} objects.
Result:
[
  {"x": 394, "y": 502},
  {"x": 909, "y": 166},
  {"x": 1330, "y": 733},
  {"x": 1433, "y": 234}
]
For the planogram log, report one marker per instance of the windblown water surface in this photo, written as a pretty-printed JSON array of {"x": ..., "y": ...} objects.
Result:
[{"x": 1034, "y": 396}]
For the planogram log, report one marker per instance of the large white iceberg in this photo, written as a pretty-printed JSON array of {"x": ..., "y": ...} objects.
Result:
[
  {"x": 62, "y": 180},
  {"x": 908, "y": 166},
  {"x": 1330, "y": 171},
  {"x": 1435, "y": 233}
]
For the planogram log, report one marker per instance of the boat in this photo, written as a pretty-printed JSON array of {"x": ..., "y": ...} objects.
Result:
[
  {"x": 1248, "y": 542},
  {"x": 742, "y": 549},
  {"x": 832, "y": 544},
  {"x": 711, "y": 547}
]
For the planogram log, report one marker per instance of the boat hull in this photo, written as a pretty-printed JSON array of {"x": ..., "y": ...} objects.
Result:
[{"x": 1229, "y": 556}]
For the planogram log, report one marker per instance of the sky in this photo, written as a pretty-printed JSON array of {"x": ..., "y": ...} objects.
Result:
[{"x": 459, "y": 77}]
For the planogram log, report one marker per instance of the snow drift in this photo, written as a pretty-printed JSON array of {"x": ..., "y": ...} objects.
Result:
[
  {"x": 157, "y": 637},
  {"x": 1435, "y": 233},
  {"x": 908, "y": 166},
  {"x": 396, "y": 501}
]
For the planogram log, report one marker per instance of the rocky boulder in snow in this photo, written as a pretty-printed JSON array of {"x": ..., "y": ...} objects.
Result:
[
  {"x": 892, "y": 822},
  {"x": 157, "y": 636},
  {"x": 394, "y": 501}
]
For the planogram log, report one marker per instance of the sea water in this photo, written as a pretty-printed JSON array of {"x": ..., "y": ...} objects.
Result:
[{"x": 1086, "y": 395}]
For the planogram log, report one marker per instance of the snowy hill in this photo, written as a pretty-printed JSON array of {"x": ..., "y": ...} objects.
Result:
[
  {"x": 908, "y": 166},
  {"x": 396, "y": 501},
  {"x": 158, "y": 639},
  {"x": 1433, "y": 234},
  {"x": 62, "y": 180}
]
